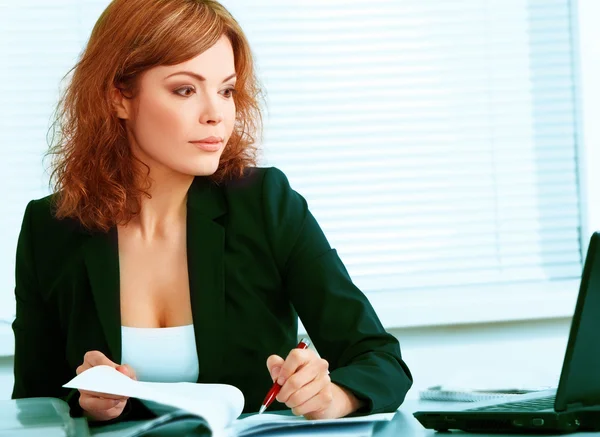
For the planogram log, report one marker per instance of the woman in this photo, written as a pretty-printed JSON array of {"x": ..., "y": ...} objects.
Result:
[{"x": 166, "y": 254}]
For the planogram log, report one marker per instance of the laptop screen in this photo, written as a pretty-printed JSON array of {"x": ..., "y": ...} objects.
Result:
[{"x": 580, "y": 376}]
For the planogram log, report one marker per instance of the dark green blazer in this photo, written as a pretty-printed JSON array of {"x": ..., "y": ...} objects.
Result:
[{"x": 257, "y": 260}]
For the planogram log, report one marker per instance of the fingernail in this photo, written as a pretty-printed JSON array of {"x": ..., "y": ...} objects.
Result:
[
  {"x": 280, "y": 380},
  {"x": 275, "y": 373}
]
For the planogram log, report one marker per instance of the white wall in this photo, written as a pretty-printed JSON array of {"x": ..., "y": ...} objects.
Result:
[
  {"x": 6, "y": 377},
  {"x": 499, "y": 354}
]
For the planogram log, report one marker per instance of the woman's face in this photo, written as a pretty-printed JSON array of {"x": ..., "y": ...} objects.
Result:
[{"x": 179, "y": 106}]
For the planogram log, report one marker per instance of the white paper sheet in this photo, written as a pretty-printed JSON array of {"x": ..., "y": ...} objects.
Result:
[
  {"x": 346, "y": 430},
  {"x": 218, "y": 404},
  {"x": 298, "y": 424}
]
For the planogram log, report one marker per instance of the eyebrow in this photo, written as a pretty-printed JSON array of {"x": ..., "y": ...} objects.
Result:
[{"x": 198, "y": 76}]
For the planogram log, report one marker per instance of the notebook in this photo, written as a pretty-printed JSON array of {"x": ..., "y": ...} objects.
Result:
[
  {"x": 574, "y": 405},
  {"x": 214, "y": 407},
  {"x": 39, "y": 416}
]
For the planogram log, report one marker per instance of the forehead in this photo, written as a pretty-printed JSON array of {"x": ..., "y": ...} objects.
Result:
[{"x": 215, "y": 63}]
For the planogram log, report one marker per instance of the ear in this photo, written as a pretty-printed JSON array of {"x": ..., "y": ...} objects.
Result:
[{"x": 121, "y": 104}]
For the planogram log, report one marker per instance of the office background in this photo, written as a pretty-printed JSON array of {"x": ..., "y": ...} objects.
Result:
[{"x": 446, "y": 148}]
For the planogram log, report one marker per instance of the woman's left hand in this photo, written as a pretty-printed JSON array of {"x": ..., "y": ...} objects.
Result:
[{"x": 306, "y": 387}]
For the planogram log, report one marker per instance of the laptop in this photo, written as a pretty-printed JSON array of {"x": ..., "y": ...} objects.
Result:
[{"x": 574, "y": 405}]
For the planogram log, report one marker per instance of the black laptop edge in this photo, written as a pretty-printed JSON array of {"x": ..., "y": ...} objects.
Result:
[{"x": 564, "y": 418}]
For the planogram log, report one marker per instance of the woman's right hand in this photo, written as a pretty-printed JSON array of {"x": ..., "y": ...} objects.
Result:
[{"x": 102, "y": 406}]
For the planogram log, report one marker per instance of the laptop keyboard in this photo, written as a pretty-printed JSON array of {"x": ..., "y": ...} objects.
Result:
[{"x": 528, "y": 405}]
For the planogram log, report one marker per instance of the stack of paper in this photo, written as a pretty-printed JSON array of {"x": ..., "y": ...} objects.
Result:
[{"x": 213, "y": 406}]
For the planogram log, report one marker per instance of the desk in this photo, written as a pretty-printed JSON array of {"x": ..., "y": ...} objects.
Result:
[{"x": 403, "y": 424}]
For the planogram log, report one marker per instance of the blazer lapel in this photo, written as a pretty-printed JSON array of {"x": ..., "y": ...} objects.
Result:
[
  {"x": 102, "y": 262},
  {"x": 205, "y": 251}
]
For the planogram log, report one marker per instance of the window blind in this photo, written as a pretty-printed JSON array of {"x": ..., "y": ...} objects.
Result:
[
  {"x": 39, "y": 42},
  {"x": 435, "y": 140}
]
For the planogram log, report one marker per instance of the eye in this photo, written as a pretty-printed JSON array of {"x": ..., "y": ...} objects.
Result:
[
  {"x": 188, "y": 90},
  {"x": 229, "y": 92}
]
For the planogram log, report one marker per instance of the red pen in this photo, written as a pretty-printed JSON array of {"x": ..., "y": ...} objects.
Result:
[{"x": 304, "y": 343}]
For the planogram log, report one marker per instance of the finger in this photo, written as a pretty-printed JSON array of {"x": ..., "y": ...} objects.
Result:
[
  {"x": 305, "y": 375},
  {"x": 109, "y": 414},
  {"x": 315, "y": 406},
  {"x": 103, "y": 395},
  {"x": 126, "y": 369},
  {"x": 300, "y": 395},
  {"x": 97, "y": 358},
  {"x": 97, "y": 405},
  {"x": 295, "y": 359},
  {"x": 319, "y": 414},
  {"x": 82, "y": 368},
  {"x": 274, "y": 363}
]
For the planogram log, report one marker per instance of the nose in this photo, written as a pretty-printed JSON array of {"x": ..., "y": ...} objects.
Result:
[{"x": 211, "y": 113}]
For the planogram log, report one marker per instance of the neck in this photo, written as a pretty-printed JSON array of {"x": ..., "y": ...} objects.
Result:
[{"x": 165, "y": 211}]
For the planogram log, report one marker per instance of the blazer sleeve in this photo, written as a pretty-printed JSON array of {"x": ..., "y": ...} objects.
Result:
[
  {"x": 339, "y": 319},
  {"x": 40, "y": 365}
]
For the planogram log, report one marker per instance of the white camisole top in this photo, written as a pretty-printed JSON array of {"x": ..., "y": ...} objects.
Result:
[{"x": 160, "y": 355}]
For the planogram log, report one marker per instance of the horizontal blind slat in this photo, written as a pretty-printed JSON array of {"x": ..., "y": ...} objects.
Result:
[{"x": 434, "y": 141}]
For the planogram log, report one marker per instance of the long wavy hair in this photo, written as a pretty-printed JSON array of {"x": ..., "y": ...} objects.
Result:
[{"x": 93, "y": 173}]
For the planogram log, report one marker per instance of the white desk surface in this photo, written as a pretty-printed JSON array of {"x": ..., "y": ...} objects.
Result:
[{"x": 403, "y": 424}]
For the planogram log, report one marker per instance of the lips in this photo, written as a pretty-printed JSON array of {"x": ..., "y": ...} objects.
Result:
[
  {"x": 210, "y": 144},
  {"x": 208, "y": 140}
]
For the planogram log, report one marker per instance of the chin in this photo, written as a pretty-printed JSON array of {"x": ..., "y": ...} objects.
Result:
[{"x": 205, "y": 168}]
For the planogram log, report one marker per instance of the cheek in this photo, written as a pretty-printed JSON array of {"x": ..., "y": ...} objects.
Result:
[{"x": 156, "y": 122}]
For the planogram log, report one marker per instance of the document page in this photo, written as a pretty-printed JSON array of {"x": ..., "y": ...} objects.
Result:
[
  {"x": 218, "y": 404},
  {"x": 258, "y": 423}
]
